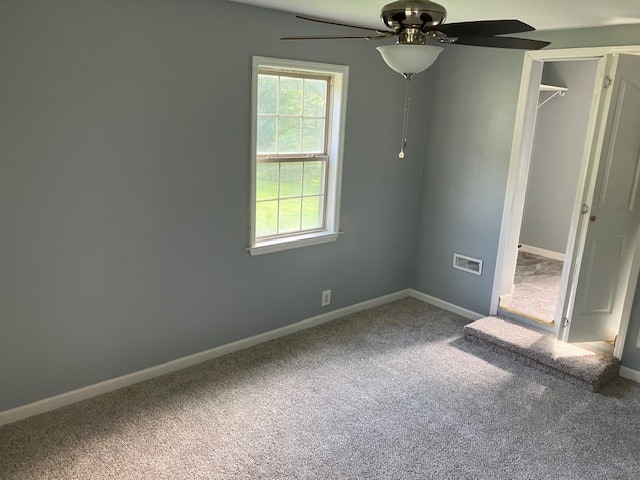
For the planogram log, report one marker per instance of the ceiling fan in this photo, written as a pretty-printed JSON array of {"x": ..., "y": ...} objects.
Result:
[
  {"x": 418, "y": 23},
  {"x": 415, "y": 21}
]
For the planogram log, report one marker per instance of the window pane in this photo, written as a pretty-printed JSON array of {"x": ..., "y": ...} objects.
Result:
[
  {"x": 312, "y": 212},
  {"x": 290, "y": 96},
  {"x": 313, "y": 178},
  {"x": 293, "y": 133},
  {"x": 315, "y": 97},
  {"x": 313, "y": 135},
  {"x": 267, "y": 128},
  {"x": 267, "y": 181},
  {"x": 290, "y": 215},
  {"x": 289, "y": 135},
  {"x": 266, "y": 218},
  {"x": 291, "y": 179},
  {"x": 267, "y": 94}
]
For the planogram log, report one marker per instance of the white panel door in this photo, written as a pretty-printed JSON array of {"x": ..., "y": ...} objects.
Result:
[{"x": 614, "y": 219}]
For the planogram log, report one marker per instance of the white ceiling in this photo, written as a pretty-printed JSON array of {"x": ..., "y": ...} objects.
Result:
[{"x": 542, "y": 14}]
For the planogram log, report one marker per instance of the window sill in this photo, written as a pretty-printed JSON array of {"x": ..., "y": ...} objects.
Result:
[{"x": 288, "y": 243}]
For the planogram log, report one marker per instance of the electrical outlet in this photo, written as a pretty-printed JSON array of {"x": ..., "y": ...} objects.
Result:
[{"x": 326, "y": 298}]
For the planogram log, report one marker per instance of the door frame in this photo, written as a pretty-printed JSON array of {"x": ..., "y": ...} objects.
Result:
[{"x": 519, "y": 170}]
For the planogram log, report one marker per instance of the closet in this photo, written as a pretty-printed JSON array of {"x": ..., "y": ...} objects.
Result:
[{"x": 558, "y": 150}]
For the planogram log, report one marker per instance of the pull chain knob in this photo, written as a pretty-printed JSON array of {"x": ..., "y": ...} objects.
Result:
[{"x": 405, "y": 123}]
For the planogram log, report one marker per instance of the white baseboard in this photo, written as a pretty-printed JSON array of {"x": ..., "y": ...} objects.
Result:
[
  {"x": 628, "y": 373},
  {"x": 505, "y": 298},
  {"x": 90, "y": 391},
  {"x": 84, "y": 393},
  {"x": 450, "y": 307},
  {"x": 542, "y": 252}
]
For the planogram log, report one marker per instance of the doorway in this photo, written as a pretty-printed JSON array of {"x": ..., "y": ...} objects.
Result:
[
  {"x": 557, "y": 153},
  {"x": 548, "y": 233}
]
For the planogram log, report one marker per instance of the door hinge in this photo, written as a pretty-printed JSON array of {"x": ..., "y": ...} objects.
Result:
[
  {"x": 565, "y": 322},
  {"x": 608, "y": 81},
  {"x": 585, "y": 209}
]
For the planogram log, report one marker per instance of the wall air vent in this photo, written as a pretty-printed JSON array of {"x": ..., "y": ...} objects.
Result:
[{"x": 467, "y": 264}]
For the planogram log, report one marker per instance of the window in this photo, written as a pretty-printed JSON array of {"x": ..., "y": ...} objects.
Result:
[{"x": 298, "y": 125}]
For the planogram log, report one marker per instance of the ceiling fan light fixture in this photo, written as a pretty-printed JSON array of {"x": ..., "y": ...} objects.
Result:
[{"x": 409, "y": 59}]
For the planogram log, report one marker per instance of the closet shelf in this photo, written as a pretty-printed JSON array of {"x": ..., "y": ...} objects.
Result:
[{"x": 556, "y": 91}]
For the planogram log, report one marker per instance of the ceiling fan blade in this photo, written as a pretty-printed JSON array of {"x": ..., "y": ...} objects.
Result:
[
  {"x": 483, "y": 28},
  {"x": 324, "y": 37},
  {"x": 320, "y": 20},
  {"x": 502, "y": 42}
]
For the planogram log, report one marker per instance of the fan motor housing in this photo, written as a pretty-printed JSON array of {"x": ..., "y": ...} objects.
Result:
[{"x": 415, "y": 14}]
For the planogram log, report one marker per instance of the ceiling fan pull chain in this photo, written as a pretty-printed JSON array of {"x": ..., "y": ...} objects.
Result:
[{"x": 405, "y": 124}]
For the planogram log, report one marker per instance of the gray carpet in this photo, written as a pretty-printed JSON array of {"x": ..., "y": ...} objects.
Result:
[
  {"x": 536, "y": 287},
  {"x": 587, "y": 368},
  {"x": 390, "y": 393}
]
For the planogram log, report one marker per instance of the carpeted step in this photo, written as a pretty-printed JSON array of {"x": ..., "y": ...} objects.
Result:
[{"x": 543, "y": 351}]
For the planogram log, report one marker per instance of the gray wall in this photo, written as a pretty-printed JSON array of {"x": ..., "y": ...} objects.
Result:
[
  {"x": 124, "y": 187},
  {"x": 615, "y": 35},
  {"x": 124, "y": 183},
  {"x": 469, "y": 133},
  {"x": 558, "y": 147}
]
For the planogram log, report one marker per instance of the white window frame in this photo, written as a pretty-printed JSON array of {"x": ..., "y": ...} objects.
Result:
[{"x": 335, "y": 143}]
